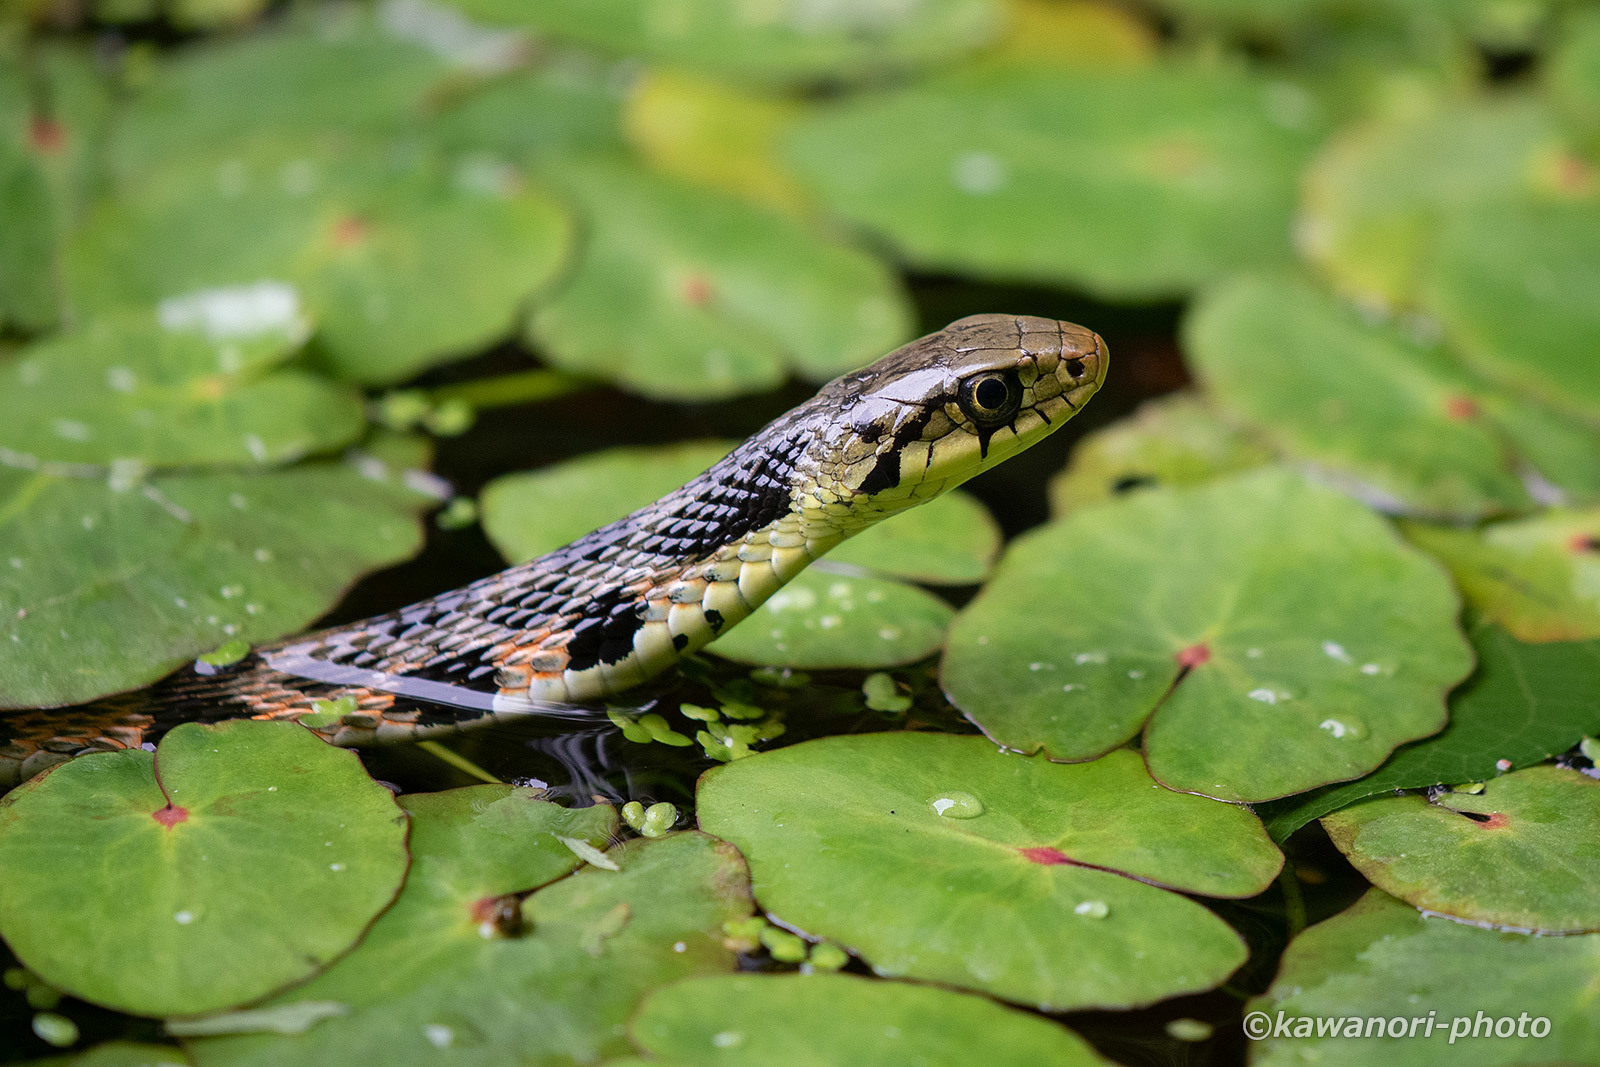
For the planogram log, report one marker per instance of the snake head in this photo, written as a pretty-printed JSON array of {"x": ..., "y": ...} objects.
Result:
[{"x": 947, "y": 406}]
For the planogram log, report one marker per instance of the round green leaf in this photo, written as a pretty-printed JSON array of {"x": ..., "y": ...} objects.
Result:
[
  {"x": 1517, "y": 287},
  {"x": 1524, "y": 704},
  {"x": 534, "y": 512},
  {"x": 1131, "y": 184},
  {"x": 120, "y": 1054},
  {"x": 403, "y": 259},
  {"x": 1196, "y": 605},
  {"x": 1572, "y": 71},
  {"x": 1175, "y": 440},
  {"x": 683, "y": 294},
  {"x": 825, "y": 619},
  {"x": 840, "y": 1020},
  {"x": 1038, "y": 883},
  {"x": 194, "y": 387},
  {"x": 1377, "y": 196},
  {"x": 782, "y": 41},
  {"x": 1524, "y": 852},
  {"x": 951, "y": 540},
  {"x": 1381, "y": 959},
  {"x": 464, "y": 971},
  {"x": 259, "y": 854},
  {"x": 1365, "y": 401},
  {"x": 1538, "y": 577},
  {"x": 104, "y": 587}
]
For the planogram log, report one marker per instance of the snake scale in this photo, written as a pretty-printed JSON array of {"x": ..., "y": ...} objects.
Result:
[{"x": 624, "y": 602}]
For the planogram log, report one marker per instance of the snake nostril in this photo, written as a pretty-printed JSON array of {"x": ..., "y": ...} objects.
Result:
[{"x": 1075, "y": 368}]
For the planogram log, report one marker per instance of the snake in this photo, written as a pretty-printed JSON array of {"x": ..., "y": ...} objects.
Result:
[{"x": 625, "y": 602}]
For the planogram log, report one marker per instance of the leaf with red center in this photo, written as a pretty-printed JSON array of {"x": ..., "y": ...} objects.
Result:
[
  {"x": 1523, "y": 856},
  {"x": 46, "y": 136},
  {"x": 213, "y": 809},
  {"x": 856, "y": 839},
  {"x": 1267, "y": 635}
]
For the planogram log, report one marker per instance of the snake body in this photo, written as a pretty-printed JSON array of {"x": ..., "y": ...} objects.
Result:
[{"x": 624, "y": 602}]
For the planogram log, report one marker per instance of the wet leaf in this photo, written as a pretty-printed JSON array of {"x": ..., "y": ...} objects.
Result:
[
  {"x": 447, "y": 976},
  {"x": 215, "y": 810},
  {"x": 1572, "y": 72},
  {"x": 1524, "y": 704},
  {"x": 680, "y": 293},
  {"x": 120, "y": 1054},
  {"x": 1074, "y": 34},
  {"x": 1524, "y": 852},
  {"x": 1131, "y": 184},
  {"x": 1193, "y": 604},
  {"x": 838, "y": 1020},
  {"x": 845, "y": 841},
  {"x": 1353, "y": 964},
  {"x": 1537, "y": 577},
  {"x": 1378, "y": 194},
  {"x": 1175, "y": 440},
  {"x": 951, "y": 540},
  {"x": 565, "y": 100},
  {"x": 825, "y": 619},
  {"x": 105, "y": 588},
  {"x": 1394, "y": 418},
  {"x": 1517, "y": 287},
  {"x": 402, "y": 258},
  {"x": 786, "y": 41},
  {"x": 180, "y": 389}
]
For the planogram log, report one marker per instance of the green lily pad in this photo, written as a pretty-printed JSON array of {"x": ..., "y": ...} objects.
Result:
[
  {"x": 324, "y": 69},
  {"x": 196, "y": 386},
  {"x": 534, "y": 512},
  {"x": 1522, "y": 852},
  {"x": 785, "y": 41},
  {"x": 402, "y": 259},
  {"x": 1193, "y": 604},
  {"x": 1517, "y": 287},
  {"x": 260, "y": 854},
  {"x": 1369, "y": 404},
  {"x": 825, "y": 619},
  {"x": 840, "y": 1020},
  {"x": 120, "y": 1054},
  {"x": 943, "y": 859},
  {"x": 464, "y": 970},
  {"x": 683, "y": 294},
  {"x": 1538, "y": 577},
  {"x": 1524, "y": 704},
  {"x": 1572, "y": 72},
  {"x": 1129, "y": 183},
  {"x": 1381, "y": 959},
  {"x": 566, "y": 100},
  {"x": 1377, "y": 196},
  {"x": 1174, "y": 440},
  {"x": 104, "y": 587}
]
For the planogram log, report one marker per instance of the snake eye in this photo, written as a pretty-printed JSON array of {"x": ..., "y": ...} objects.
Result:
[{"x": 992, "y": 398}]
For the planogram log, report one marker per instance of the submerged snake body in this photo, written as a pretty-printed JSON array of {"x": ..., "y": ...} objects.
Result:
[{"x": 626, "y": 601}]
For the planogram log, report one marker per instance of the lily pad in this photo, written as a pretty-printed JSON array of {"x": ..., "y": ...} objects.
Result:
[
  {"x": 825, "y": 619},
  {"x": 943, "y": 859},
  {"x": 840, "y": 1020},
  {"x": 1381, "y": 959},
  {"x": 1572, "y": 72},
  {"x": 680, "y": 293},
  {"x": 1393, "y": 417},
  {"x": 260, "y": 853},
  {"x": 464, "y": 970},
  {"x": 1193, "y": 604},
  {"x": 120, "y": 1054},
  {"x": 1377, "y": 196},
  {"x": 402, "y": 258},
  {"x": 784, "y": 41},
  {"x": 1128, "y": 183},
  {"x": 1524, "y": 704},
  {"x": 563, "y": 100},
  {"x": 534, "y": 512},
  {"x": 106, "y": 586},
  {"x": 1175, "y": 440},
  {"x": 1537, "y": 577},
  {"x": 180, "y": 389},
  {"x": 1522, "y": 852},
  {"x": 1517, "y": 287}
]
